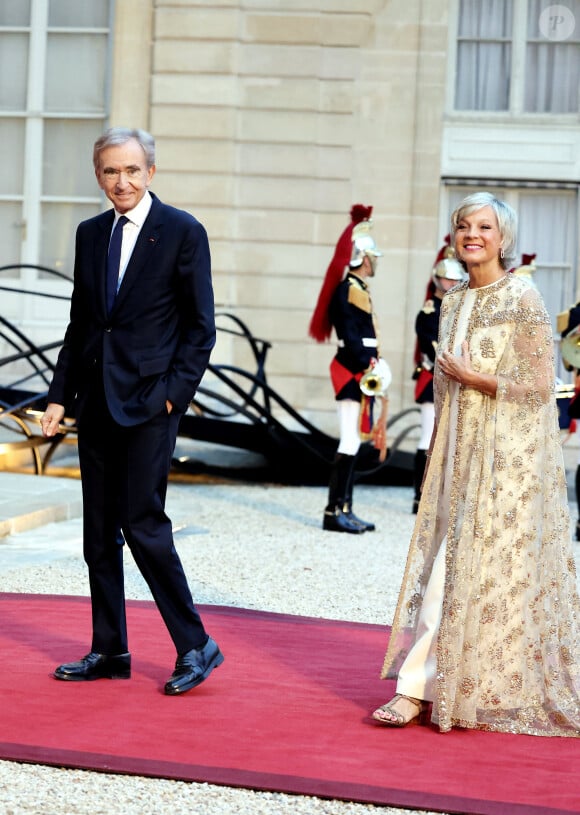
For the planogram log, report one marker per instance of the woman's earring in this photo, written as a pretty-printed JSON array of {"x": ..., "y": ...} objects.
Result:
[{"x": 501, "y": 253}]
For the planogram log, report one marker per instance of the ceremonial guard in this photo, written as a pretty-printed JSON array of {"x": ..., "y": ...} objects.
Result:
[
  {"x": 447, "y": 272},
  {"x": 359, "y": 376},
  {"x": 568, "y": 324}
]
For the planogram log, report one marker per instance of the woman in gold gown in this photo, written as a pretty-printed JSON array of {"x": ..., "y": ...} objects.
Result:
[{"x": 487, "y": 625}]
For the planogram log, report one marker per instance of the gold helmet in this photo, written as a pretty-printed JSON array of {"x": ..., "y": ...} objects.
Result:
[
  {"x": 527, "y": 268},
  {"x": 363, "y": 244},
  {"x": 448, "y": 268}
]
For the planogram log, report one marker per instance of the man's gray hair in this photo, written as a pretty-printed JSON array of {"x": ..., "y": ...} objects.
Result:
[
  {"x": 121, "y": 135},
  {"x": 507, "y": 221}
]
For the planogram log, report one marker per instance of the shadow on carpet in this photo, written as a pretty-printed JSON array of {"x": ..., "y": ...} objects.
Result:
[{"x": 287, "y": 712}]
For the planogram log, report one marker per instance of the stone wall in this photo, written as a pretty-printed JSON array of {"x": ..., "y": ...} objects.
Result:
[{"x": 272, "y": 118}]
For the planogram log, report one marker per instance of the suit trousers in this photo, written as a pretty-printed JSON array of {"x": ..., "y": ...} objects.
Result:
[{"x": 124, "y": 473}]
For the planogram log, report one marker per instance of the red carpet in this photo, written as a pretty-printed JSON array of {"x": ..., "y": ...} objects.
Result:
[{"x": 287, "y": 711}]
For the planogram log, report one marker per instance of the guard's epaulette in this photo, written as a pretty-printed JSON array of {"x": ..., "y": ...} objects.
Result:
[
  {"x": 428, "y": 307},
  {"x": 563, "y": 319},
  {"x": 358, "y": 295}
]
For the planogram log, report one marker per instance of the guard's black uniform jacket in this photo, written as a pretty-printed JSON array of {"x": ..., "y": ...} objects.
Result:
[
  {"x": 351, "y": 315},
  {"x": 427, "y": 330}
]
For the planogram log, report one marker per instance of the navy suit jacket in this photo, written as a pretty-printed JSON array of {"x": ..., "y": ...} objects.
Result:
[{"x": 156, "y": 343}]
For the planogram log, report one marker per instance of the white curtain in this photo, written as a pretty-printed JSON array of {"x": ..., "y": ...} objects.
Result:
[
  {"x": 548, "y": 227},
  {"x": 483, "y": 55},
  {"x": 552, "y": 67},
  {"x": 484, "y": 58}
]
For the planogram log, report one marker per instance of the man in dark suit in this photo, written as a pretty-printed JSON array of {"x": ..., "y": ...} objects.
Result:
[{"x": 139, "y": 339}]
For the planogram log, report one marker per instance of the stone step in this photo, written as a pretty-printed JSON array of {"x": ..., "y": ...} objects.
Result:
[{"x": 31, "y": 501}]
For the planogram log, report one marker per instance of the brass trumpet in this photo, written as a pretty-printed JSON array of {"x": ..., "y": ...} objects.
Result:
[
  {"x": 570, "y": 349},
  {"x": 376, "y": 380}
]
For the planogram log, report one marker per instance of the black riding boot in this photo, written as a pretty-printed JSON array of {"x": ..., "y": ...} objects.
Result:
[
  {"x": 577, "y": 485},
  {"x": 335, "y": 519},
  {"x": 420, "y": 462},
  {"x": 347, "y": 507}
]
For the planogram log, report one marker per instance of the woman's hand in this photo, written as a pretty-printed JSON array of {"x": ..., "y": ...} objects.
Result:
[
  {"x": 460, "y": 370},
  {"x": 457, "y": 368}
]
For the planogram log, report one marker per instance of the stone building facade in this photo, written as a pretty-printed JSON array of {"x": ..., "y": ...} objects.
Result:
[{"x": 272, "y": 117}]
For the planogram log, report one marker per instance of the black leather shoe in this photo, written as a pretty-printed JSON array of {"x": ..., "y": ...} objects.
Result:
[
  {"x": 96, "y": 666},
  {"x": 193, "y": 667},
  {"x": 337, "y": 521},
  {"x": 367, "y": 526}
]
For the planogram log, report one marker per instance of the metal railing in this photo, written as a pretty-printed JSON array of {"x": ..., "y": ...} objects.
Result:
[{"x": 233, "y": 406}]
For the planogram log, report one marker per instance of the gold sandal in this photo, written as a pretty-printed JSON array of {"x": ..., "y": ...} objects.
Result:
[{"x": 400, "y": 720}]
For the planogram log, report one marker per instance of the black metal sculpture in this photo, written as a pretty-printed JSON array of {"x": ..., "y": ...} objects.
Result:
[{"x": 233, "y": 408}]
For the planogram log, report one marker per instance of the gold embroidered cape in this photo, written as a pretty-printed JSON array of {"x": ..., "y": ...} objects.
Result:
[{"x": 508, "y": 649}]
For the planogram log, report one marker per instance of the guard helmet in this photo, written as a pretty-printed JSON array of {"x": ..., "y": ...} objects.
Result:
[
  {"x": 363, "y": 244},
  {"x": 448, "y": 268}
]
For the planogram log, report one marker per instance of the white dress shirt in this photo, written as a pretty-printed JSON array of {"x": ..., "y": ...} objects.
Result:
[{"x": 131, "y": 231}]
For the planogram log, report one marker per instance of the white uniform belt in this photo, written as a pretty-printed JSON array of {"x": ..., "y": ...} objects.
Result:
[{"x": 368, "y": 342}]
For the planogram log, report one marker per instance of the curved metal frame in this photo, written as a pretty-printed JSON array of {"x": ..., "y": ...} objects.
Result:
[{"x": 245, "y": 407}]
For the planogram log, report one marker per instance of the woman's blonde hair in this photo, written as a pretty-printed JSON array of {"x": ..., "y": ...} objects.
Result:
[{"x": 507, "y": 221}]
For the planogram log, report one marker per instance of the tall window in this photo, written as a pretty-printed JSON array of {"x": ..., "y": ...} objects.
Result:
[
  {"x": 519, "y": 56},
  {"x": 54, "y": 57}
]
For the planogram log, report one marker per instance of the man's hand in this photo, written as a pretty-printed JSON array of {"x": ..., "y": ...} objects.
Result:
[
  {"x": 51, "y": 418},
  {"x": 168, "y": 405}
]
